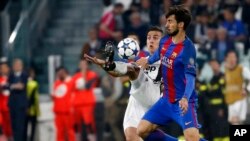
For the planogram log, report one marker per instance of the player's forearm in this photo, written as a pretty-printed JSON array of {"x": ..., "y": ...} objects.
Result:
[
  {"x": 115, "y": 74},
  {"x": 190, "y": 84},
  {"x": 118, "y": 69},
  {"x": 126, "y": 69},
  {"x": 155, "y": 57},
  {"x": 110, "y": 72}
]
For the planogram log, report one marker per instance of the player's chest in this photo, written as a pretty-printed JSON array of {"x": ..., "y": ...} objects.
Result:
[
  {"x": 152, "y": 70},
  {"x": 172, "y": 57}
]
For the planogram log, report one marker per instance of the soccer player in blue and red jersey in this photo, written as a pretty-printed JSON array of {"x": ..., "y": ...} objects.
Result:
[{"x": 177, "y": 54}]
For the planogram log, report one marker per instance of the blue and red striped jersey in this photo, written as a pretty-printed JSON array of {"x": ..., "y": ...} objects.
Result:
[{"x": 176, "y": 61}]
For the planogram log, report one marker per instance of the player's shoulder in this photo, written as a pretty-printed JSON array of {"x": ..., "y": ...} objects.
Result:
[
  {"x": 164, "y": 38},
  {"x": 189, "y": 45},
  {"x": 188, "y": 42}
]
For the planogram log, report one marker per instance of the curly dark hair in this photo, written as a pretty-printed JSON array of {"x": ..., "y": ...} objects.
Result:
[{"x": 181, "y": 15}]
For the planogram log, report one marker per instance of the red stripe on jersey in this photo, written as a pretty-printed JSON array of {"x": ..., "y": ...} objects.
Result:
[
  {"x": 165, "y": 47},
  {"x": 142, "y": 54},
  {"x": 163, "y": 52},
  {"x": 170, "y": 73}
]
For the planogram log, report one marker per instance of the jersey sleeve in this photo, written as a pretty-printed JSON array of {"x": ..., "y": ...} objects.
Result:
[
  {"x": 190, "y": 84},
  {"x": 157, "y": 54},
  {"x": 189, "y": 59}
]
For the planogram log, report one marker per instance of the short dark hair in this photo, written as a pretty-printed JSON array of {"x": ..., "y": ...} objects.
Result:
[
  {"x": 155, "y": 28},
  {"x": 181, "y": 15}
]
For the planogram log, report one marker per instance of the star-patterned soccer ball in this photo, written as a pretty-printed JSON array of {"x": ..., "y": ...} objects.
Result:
[{"x": 128, "y": 49}]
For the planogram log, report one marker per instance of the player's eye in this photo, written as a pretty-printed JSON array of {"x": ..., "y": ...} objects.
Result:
[{"x": 156, "y": 38}]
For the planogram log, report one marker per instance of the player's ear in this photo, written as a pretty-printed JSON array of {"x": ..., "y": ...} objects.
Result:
[{"x": 181, "y": 25}]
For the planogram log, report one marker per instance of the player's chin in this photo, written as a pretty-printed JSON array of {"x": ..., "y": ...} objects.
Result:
[
  {"x": 151, "y": 49},
  {"x": 170, "y": 33}
]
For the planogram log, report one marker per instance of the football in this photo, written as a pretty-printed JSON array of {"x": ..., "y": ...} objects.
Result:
[{"x": 128, "y": 49}]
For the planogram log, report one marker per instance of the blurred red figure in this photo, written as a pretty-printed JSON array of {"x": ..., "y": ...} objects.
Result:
[
  {"x": 84, "y": 82},
  {"x": 62, "y": 97},
  {"x": 108, "y": 24},
  {"x": 4, "y": 96}
]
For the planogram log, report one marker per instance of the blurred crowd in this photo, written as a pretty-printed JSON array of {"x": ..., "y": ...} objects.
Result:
[
  {"x": 89, "y": 105},
  {"x": 19, "y": 101}
]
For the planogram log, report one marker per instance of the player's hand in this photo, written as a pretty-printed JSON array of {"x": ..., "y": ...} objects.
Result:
[
  {"x": 183, "y": 104},
  {"x": 94, "y": 60},
  {"x": 143, "y": 62}
]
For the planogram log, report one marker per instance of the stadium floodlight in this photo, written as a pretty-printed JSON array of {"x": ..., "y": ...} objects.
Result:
[{"x": 12, "y": 37}]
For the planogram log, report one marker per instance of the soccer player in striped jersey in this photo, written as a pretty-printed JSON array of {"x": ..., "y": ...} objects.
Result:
[{"x": 178, "y": 103}]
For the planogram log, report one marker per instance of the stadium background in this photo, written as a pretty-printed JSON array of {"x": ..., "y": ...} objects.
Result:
[{"x": 49, "y": 33}]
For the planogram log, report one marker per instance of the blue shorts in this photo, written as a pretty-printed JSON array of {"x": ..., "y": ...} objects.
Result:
[{"x": 162, "y": 112}]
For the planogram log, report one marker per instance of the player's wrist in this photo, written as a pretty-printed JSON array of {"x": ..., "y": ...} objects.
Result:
[
  {"x": 147, "y": 61},
  {"x": 185, "y": 97},
  {"x": 109, "y": 66}
]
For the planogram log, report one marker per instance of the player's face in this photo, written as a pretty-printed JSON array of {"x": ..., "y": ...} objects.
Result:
[
  {"x": 172, "y": 26},
  {"x": 153, "y": 39},
  {"x": 231, "y": 60}
]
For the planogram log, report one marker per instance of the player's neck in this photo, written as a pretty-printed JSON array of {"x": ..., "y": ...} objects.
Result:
[{"x": 178, "y": 38}]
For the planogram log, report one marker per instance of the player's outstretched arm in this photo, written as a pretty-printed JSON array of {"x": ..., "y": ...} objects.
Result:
[
  {"x": 94, "y": 60},
  {"x": 116, "y": 69},
  {"x": 100, "y": 63}
]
